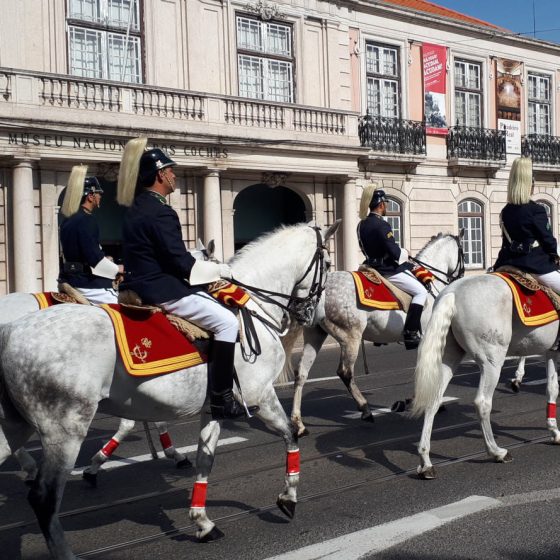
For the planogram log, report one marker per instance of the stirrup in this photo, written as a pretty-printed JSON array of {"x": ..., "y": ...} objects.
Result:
[
  {"x": 224, "y": 407},
  {"x": 411, "y": 339}
]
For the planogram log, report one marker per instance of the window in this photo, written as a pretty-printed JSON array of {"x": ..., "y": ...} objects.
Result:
[
  {"x": 394, "y": 217},
  {"x": 104, "y": 39},
  {"x": 471, "y": 220},
  {"x": 383, "y": 80},
  {"x": 468, "y": 93},
  {"x": 539, "y": 104},
  {"x": 264, "y": 60}
]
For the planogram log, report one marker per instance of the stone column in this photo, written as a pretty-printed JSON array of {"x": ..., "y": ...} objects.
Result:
[
  {"x": 212, "y": 211},
  {"x": 23, "y": 211},
  {"x": 349, "y": 223}
]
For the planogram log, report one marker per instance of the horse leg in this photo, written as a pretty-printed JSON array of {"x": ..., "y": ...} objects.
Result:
[
  {"x": 181, "y": 461},
  {"x": 313, "y": 339},
  {"x": 483, "y": 404},
  {"x": 452, "y": 357},
  {"x": 59, "y": 457},
  {"x": 27, "y": 464},
  {"x": 90, "y": 473},
  {"x": 207, "y": 442},
  {"x": 349, "y": 348},
  {"x": 515, "y": 382},
  {"x": 552, "y": 396}
]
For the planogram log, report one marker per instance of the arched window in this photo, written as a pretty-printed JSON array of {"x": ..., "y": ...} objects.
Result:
[
  {"x": 394, "y": 217},
  {"x": 548, "y": 209},
  {"x": 471, "y": 220}
]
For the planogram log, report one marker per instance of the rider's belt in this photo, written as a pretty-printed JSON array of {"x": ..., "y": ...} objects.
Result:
[
  {"x": 70, "y": 267},
  {"x": 522, "y": 248}
]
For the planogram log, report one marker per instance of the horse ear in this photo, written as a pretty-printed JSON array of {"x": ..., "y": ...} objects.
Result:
[
  {"x": 331, "y": 230},
  {"x": 461, "y": 233},
  {"x": 210, "y": 249},
  {"x": 200, "y": 245}
]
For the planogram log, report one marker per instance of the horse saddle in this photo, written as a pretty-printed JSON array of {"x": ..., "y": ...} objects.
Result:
[
  {"x": 536, "y": 304},
  {"x": 376, "y": 292}
]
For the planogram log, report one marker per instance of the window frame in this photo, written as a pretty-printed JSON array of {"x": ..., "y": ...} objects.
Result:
[
  {"x": 398, "y": 78},
  {"x": 266, "y": 56},
  {"x": 550, "y": 104},
  {"x": 106, "y": 30},
  {"x": 469, "y": 91},
  {"x": 467, "y": 243},
  {"x": 398, "y": 233}
]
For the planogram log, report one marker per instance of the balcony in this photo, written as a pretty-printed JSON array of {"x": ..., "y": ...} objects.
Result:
[
  {"x": 100, "y": 105},
  {"x": 474, "y": 148},
  {"x": 393, "y": 142},
  {"x": 544, "y": 150}
]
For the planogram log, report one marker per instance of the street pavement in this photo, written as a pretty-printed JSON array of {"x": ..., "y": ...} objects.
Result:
[{"x": 359, "y": 495}]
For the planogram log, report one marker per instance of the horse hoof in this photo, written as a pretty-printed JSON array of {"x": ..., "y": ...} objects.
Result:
[
  {"x": 398, "y": 406},
  {"x": 287, "y": 507},
  {"x": 428, "y": 474},
  {"x": 367, "y": 416},
  {"x": 184, "y": 464},
  {"x": 507, "y": 458},
  {"x": 302, "y": 433},
  {"x": 213, "y": 535},
  {"x": 91, "y": 479},
  {"x": 515, "y": 385}
]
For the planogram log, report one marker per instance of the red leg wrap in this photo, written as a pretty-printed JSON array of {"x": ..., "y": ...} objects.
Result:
[
  {"x": 198, "y": 499},
  {"x": 551, "y": 410},
  {"x": 292, "y": 462},
  {"x": 165, "y": 440},
  {"x": 110, "y": 447}
]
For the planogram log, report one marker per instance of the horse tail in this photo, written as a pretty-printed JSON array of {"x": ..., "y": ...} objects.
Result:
[
  {"x": 288, "y": 342},
  {"x": 427, "y": 375}
]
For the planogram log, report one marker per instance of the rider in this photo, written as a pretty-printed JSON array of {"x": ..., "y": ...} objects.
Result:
[
  {"x": 161, "y": 270},
  {"x": 382, "y": 253},
  {"x": 85, "y": 267},
  {"x": 527, "y": 242}
]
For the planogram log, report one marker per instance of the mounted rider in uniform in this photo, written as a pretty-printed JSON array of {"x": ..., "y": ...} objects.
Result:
[
  {"x": 161, "y": 270},
  {"x": 527, "y": 242},
  {"x": 382, "y": 253},
  {"x": 85, "y": 266}
]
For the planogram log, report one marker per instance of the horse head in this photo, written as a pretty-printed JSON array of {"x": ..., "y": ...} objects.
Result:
[{"x": 443, "y": 256}]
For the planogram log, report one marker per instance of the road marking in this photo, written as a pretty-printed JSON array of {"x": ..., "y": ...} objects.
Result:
[
  {"x": 380, "y": 411},
  {"x": 376, "y": 539},
  {"x": 116, "y": 463},
  {"x": 535, "y": 382}
]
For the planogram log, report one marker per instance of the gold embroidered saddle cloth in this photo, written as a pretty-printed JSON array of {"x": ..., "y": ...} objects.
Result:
[{"x": 376, "y": 292}]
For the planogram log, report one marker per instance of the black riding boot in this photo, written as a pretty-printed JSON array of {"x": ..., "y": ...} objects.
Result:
[
  {"x": 222, "y": 401},
  {"x": 411, "y": 332}
]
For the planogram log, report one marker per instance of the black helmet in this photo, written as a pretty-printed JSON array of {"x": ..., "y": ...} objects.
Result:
[
  {"x": 153, "y": 161},
  {"x": 92, "y": 186},
  {"x": 377, "y": 198}
]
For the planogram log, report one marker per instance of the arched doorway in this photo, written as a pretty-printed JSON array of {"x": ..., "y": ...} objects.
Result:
[{"x": 260, "y": 208}]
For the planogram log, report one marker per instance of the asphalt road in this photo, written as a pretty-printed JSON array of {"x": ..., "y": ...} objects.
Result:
[{"x": 359, "y": 495}]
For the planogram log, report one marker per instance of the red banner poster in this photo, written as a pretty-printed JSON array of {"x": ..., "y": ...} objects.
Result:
[{"x": 434, "y": 59}]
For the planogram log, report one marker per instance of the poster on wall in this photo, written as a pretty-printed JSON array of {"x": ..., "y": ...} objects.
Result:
[
  {"x": 513, "y": 135},
  {"x": 434, "y": 58},
  {"x": 508, "y": 102}
]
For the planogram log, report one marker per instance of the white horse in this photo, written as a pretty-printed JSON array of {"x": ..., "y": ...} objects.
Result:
[
  {"x": 16, "y": 305},
  {"x": 72, "y": 369},
  {"x": 339, "y": 315},
  {"x": 476, "y": 316}
]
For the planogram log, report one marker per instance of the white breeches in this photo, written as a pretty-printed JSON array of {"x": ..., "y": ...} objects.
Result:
[
  {"x": 203, "y": 310},
  {"x": 408, "y": 283},
  {"x": 99, "y": 295},
  {"x": 551, "y": 279}
]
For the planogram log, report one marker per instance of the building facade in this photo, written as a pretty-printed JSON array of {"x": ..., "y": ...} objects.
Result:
[{"x": 275, "y": 113}]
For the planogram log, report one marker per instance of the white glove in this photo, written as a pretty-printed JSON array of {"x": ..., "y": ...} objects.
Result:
[
  {"x": 225, "y": 271},
  {"x": 403, "y": 257}
]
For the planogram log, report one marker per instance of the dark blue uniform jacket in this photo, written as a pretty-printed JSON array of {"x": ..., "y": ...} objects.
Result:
[
  {"x": 379, "y": 246},
  {"x": 79, "y": 237},
  {"x": 156, "y": 263},
  {"x": 526, "y": 223}
]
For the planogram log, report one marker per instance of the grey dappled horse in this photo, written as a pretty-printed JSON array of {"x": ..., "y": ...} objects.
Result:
[
  {"x": 339, "y": 315},
  {"x": 475, "y": 316},
  {"x": 72, "y": 369},
  {"x": 16, "y": 305}
]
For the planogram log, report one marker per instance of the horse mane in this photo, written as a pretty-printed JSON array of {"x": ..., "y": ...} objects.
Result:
[{"x": 434, "y": 239}]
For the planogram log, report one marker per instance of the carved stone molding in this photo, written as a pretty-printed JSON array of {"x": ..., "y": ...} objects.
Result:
[
  {"x": 108, "y": 171},
  {"x": 273, "y": 179},
  {"x": 264, "y": 10}
]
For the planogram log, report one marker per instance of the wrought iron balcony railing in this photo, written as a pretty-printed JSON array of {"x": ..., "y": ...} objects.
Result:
[
  {"x": 471, "y": 142},
  {"x": 542, "y": 148},
  {"x": 391, "y": 135}
]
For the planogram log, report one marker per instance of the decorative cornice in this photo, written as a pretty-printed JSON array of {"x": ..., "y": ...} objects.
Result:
[
  {"x": 273, "y": 179},
  {"x": 264, "y": 10}
]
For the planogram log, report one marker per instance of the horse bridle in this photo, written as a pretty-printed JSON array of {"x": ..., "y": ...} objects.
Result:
[
  {"x": 301, "y": 308},
  {"x": 455, "y": 274}
]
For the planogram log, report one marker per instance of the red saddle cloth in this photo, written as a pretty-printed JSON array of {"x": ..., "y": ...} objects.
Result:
[
  {"x": 149, "y": 344},
  {"x": 45, "y": 299},
  {"x": 375, "y": 296},
  {"x": 534, "y": 308}
]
